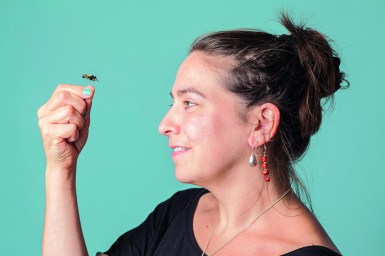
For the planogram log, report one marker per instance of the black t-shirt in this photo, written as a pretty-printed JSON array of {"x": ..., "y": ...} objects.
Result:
[{"x": 168, "y": 231}]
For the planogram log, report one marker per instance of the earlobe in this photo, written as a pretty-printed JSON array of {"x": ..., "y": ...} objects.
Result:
[
  {"x": 255, "y": 137},
  {"x": 251, "y": 140}
]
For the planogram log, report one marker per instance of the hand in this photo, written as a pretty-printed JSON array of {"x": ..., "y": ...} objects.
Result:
[{"x": 63, "y": 128}]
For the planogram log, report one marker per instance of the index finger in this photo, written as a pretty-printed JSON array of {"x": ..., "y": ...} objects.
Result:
[{"x": 68, "y": 95}]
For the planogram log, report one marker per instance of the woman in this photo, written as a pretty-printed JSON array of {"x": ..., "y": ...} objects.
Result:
[{"x": 245, "y": 106}]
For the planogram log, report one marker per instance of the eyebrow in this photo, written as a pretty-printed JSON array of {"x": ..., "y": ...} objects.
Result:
[{"x": 188, "y": 90}]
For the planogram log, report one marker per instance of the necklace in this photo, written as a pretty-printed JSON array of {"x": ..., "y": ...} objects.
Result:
[{"x": 255, "y": 219}]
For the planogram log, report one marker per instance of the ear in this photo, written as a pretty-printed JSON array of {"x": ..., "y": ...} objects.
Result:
[{"x": 265, "y": 119}]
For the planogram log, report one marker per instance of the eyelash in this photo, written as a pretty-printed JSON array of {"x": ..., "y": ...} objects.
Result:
[{"x": 186, "y": 103}]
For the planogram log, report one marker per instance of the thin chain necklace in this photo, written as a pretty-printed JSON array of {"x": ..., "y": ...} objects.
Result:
[{"x": 255, "y": 219}]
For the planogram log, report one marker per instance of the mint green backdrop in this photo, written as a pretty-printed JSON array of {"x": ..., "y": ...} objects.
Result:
[{"x": 134, "y": 48}]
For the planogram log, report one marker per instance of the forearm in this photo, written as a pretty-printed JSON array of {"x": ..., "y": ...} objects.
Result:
[{"x": 62, "y": 229}]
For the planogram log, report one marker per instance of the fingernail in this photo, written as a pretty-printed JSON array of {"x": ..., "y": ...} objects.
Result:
[{"x": 87, "y": 91}]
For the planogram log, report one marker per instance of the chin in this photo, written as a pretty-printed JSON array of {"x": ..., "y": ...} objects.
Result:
[{"x": 184, "y": 176}]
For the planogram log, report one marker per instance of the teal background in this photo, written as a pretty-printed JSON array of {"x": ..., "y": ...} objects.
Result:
[{"x": 135, "y": 48}]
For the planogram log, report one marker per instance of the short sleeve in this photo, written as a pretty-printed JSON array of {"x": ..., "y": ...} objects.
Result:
[{"x": 142, "y": 239}]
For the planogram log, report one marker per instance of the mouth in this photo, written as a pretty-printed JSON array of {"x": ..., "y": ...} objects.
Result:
[{"x": 179, "y": 150}]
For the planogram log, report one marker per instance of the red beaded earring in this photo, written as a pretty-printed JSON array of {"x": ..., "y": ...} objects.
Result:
[{"x": 264, "y": 165}]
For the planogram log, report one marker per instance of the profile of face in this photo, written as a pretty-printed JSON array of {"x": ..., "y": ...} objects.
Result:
[{"x": 205, "y": 131}]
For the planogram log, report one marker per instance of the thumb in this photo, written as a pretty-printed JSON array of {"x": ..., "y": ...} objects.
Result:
[{"x": 88, "y": 102}]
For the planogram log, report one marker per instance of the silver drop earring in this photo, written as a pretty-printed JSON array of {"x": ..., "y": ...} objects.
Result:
[{"x": 252, "y": 159}]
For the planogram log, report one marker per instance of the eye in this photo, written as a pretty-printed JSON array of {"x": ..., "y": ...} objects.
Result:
[{"x": 189, "y": 104}]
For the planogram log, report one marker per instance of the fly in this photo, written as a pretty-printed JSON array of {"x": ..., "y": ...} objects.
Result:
[{"x": 90, "y": 77}]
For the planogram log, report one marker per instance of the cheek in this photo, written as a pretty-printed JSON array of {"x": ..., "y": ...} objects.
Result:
[
  {"x": 218, "y": 132},
  {"x": 199, "y": 128},
  {"x": 208, "y": 140}
]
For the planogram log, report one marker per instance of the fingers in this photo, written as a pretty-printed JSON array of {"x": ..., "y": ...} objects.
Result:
[
  {"x": 61, "y": 118},
  {"x": 63, "y": 115},
  {"x": 63, "y": 124},
  {"x": 63, "y": 95},
  {"x": 63, "y": 128},
  {"x": 58, "y": 133}
]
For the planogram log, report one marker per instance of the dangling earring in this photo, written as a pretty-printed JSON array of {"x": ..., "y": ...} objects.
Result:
[
  {"x": 252, "y": 159},
  {"x": 264, "y": 165}
]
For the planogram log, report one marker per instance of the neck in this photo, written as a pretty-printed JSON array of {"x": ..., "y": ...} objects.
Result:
[{"x": 241, "y": 198}]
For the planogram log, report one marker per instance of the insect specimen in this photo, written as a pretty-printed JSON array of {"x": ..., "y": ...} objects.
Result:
[{"x": 90, "y": 77}]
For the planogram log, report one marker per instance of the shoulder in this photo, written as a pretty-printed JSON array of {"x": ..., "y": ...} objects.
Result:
[
  {"x": 300, "y": 233},
  {"x": 168, "y": 219},
  {"x": 313, "y": 250}
]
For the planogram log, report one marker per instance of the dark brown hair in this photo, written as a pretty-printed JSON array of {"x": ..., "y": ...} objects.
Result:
[{"x": 293, "y": 71}]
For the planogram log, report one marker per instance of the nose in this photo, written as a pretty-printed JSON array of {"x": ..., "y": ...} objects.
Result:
[{"x": 168, "y": 125}]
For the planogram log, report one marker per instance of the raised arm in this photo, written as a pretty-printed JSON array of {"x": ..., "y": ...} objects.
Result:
[{"x": 64, "y": 122}]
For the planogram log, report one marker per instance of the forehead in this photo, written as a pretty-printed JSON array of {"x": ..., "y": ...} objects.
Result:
[{"x": 202, "y": 71}]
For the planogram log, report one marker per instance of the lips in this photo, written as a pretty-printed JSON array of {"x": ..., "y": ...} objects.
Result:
[{"x": 178, "y": 150}]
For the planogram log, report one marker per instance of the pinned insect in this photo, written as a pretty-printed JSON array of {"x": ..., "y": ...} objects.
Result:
[{"x": 90, "y": 77}]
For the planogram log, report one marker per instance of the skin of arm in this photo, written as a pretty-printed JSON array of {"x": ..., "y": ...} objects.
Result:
[
  {"x": 62, "y": 229},
  {"x": 64, "y": 124}
]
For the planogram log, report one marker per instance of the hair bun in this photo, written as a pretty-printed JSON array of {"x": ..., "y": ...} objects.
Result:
[
  {"x": 337, "y": 62},
  {"x": 321, "y": 72}
]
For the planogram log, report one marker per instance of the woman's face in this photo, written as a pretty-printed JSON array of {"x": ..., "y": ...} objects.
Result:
[{"x": 205, "y": 131}]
